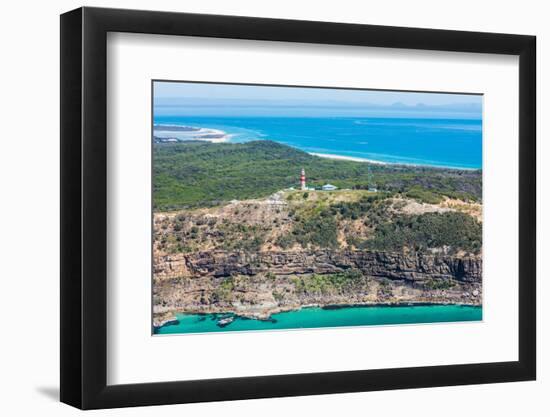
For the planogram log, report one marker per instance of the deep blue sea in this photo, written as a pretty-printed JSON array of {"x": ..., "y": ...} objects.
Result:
[{"x": 455, "y": 143}]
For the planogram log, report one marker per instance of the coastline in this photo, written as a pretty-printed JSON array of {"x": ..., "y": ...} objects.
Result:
[
  {"x": 182, "y": 133},
  {"x": 170, "y": 318},
  {"x": 351, "y": 158},
  {"x": 377, "y": 162},
  {"x": 220, "y": 136}
]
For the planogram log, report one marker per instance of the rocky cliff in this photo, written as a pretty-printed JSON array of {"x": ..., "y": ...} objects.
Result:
[
  {"x": 394, "y": 266},
  {"x": 263, "y": 283}
]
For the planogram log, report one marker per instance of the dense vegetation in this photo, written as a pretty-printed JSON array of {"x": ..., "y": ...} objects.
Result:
[
  {"x": 316, "y": 284},
  {"x": 391, "y": 231},
  {"x": 198, "y": 174},
  {"x": 373, "y": 206},
  {"x": 316, "y": 231},
  {"x": 307, "y": 284},
  {"x": 453, "y": 230}
]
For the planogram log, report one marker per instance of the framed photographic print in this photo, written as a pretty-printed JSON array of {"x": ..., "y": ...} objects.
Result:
[{"x": 257, "y": 208}]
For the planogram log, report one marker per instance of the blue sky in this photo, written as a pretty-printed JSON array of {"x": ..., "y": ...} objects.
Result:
[{"x": 200, "y": 99}]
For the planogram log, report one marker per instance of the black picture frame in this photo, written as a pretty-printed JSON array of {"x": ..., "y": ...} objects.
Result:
[{"x": 84, "y": 207}]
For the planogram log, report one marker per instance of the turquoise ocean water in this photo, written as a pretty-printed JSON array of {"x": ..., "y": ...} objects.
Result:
[
  {"x": 455, "y": 143},
  {"x": 314, "y": 317}
]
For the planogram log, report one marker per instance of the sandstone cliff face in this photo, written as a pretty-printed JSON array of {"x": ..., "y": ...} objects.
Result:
[
  {"x": 264, "y": 283},
  {"x": 394, "y": 266}
]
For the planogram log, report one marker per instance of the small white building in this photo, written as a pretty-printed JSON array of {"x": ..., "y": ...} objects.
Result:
[{"x": 328, "y": 187}]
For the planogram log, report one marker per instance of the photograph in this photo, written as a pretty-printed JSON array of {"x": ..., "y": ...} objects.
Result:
[
  {"x": 275, "y": 209},
  {"x": 283, "y": 207}
]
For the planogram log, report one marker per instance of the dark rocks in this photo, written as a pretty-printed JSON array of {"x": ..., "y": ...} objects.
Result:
[{"x": 394, "y": 266}]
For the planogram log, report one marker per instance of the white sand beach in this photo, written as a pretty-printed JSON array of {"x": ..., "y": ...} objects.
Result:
[
  {"x": 205, "y": 134},
  {"x": 347, "y": 158}
]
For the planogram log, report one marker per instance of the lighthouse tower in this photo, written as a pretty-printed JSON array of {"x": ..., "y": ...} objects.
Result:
[{"x": 303, "y": 180}]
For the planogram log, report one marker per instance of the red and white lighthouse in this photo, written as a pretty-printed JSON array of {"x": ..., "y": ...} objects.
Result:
[{"x": 303, "y": 180}]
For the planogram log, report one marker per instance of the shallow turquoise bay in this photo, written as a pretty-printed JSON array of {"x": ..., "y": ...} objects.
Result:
[
  {"x": 319, "y": 317},
  {"x": 452, "y": 143}
]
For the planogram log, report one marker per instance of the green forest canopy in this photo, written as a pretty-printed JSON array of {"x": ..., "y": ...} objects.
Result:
[{"x": 199, "y": 174}]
